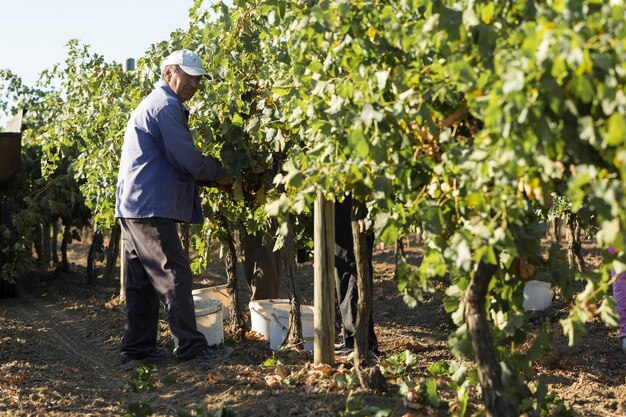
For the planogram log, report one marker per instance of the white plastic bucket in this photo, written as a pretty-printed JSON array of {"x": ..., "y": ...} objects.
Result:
[
  {"x": 209, "y": 322},
  {"x": 537, "y": 295},
  {"x": 217, "y": 292},
  {"x": 261, "y": 314},
  {"x": 280, "y": 327}
]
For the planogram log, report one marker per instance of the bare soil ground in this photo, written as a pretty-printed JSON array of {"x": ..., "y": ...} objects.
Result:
[{"x": 59, "y": 343}]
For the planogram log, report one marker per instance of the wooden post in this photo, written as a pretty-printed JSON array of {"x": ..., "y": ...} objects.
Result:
[{"x": 324, "y": 281}]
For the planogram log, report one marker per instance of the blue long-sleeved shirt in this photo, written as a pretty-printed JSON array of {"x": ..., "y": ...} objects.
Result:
[{"x": 160, "y": 165}]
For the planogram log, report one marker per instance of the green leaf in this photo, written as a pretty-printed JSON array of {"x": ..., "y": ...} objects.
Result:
[
  {"x": 513, "y": 80},
  {"x": 541, "y": 346},
  {"x": 616, "y": 129},
  {"x": 429, "y": 388},
  {"x": 462, "y": 72},
  {"x": 542, "y": 388},
  {"x": 440, "y": 368},
  {"x": 573, "y": 329},
  {"x": 359, "y": 143},
  {"x": 582, "y": 88},
  {"x": 138, "y": 410},
  {"x": 226, "y": 411},
  {"x": 183, "y": 413},
  {"x": 369, "y": 114},
  {"x": 316, "y": 67},
  {"x": 463, "y": 255},
  {"x": 270, "y": 363},
  {"x": 390, "y": 234},
  {"x": 381, "y": 78},
  {"x": 168, "y": 380},
  {"x": 607, "y": 312},
  {"x": 487, "y": 13}
]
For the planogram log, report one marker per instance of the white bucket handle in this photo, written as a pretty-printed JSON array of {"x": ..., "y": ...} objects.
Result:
[
  {"x": 279, "y": 323},
  {"x": 261, "y": 314},
  {"x": 215, "y": 309}
]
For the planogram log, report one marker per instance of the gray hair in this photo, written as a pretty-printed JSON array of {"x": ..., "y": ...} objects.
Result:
[{"x": 175, "y": 68}]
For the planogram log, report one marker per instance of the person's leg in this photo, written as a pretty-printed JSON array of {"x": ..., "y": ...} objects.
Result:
[
  {"x": 619, "y": 293},
  {"x": 347, "y": 294},
  {"x": 346, "y": 274},
  {"x": 261, "y": 266},
  {"x": 159, "y": 249},
  {"x": 371, "y": 334},
  {"x": 142, "y": 304},
  {"x": 338, "y": 319}
]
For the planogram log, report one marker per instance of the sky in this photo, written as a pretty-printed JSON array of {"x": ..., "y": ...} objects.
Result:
[{"x": 34, "y": 33}]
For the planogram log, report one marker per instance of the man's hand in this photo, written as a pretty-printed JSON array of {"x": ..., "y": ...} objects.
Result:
[{"x": 224, "y": 184}]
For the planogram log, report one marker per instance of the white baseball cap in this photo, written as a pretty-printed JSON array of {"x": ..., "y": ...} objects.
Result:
[{"x": 187, "y": 60}]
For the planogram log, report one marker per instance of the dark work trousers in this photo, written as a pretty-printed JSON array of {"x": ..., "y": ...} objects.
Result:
[
  {"x": 157, "y": 270},
  {"x": 346, "y": 274},
  {"x": 261, "y": 265}
]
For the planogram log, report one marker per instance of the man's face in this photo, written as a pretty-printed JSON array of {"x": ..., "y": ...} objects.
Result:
[{"x": 183, "y": 85}]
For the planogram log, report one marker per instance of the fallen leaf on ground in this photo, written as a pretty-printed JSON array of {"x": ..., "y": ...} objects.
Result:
[
  {"x": 281, "y": 371},
  {"x": 321, "y": 370},
  {"x": 215, "y": 377},
  {"x": 113, "y": 303},
  {"x": 252, "y": 335},
  {"x": 247, "y": 371},
  {"x": 273, "y": 381}
]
